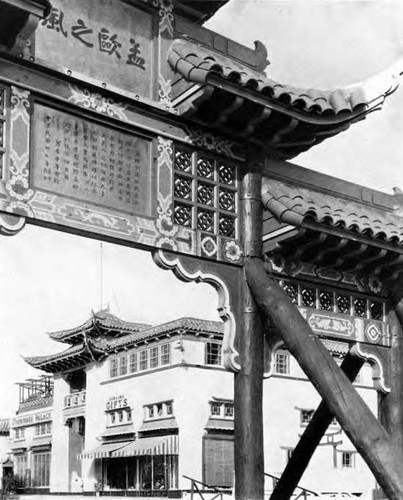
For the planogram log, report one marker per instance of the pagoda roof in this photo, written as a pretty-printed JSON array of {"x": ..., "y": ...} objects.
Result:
[
  {"x": 220, "y": 92},
  {"x": 74, "y": 356},
  {"x": 328, "y": 222},
  {"x": 101, "y": 323},
  {"x": 96, "y": 349}
]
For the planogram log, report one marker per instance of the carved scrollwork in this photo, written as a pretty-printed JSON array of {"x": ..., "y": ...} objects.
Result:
[
  {"x": 191, "y": 270},
  {"x": 11, "y": 224}
]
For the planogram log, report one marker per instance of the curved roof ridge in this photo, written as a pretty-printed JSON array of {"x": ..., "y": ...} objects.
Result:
[
  {"x": 102, "y": 318},
  {"x": 196, "y": 64},
  {"x": 293, "y": 203}
]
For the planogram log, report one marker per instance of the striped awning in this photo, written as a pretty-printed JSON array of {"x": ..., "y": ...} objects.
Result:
[
  {"x": 103, "y": 450},
  {"x": 157, "y": 445},
  {"x": 156, "y": 425},
  {"x": 221, "y": 424}
]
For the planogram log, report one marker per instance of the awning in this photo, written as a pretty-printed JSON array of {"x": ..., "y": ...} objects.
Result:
[
  {"x": 157, "y": 445},
  {"x": 103, "y": 450},
  {"x": 221, "y": 424},
  {"x": 154, "y": 425},
  {"x": 118, "y": 430}
]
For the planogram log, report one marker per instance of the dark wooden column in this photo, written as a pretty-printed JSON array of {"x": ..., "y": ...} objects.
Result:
[
  {"x": 310, "y": 439},
  {"x": 391, "y": 405},
  {"x": 248, "y": 390},
  {"x": 359, "y": 423}
]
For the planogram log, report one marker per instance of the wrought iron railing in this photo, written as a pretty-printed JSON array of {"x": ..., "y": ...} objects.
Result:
[{"x": 205, "y": 488}]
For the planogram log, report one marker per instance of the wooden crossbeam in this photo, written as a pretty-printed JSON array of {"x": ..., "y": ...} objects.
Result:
[
  {"x": 311, "y": 438},
  {"x": 357, "y": 420}
]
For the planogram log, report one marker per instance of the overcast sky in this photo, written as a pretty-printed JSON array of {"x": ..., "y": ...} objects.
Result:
[{"x": 51, "y": 281}]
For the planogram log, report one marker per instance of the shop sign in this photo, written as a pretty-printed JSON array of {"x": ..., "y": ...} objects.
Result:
[
  {"x": 116, "y": 402},
  {"x": 106, "y": 40},
  {"x": 27, "y": 420}
]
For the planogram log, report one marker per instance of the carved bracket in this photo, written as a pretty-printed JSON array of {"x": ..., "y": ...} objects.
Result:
[
  {"x": 379, "y": 359},
  {"x": 11, "y": 224},
  {"x": 224, "y": 279}
]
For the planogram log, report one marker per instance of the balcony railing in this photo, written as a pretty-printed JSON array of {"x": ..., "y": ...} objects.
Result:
[{"x": 75, "y": 399}]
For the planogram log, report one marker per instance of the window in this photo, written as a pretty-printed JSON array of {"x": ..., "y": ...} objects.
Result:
[
  {"x": 228, "y": 410},
  {"x": 158, "y": 410},
  {"x": 139, "y": 361},
  {"x": 306, "y": 416},
  {"x": 119, "y": 417},
  {"x": 165, "y": 354},
  {"x": 144, "y": 360},
  {"x": 20, "y": 433},
  {"x": 122, "y": 365},
  {"x": 21, "y": 468},
  {"x": 347, "y": 459},
  {"x": 154, "y": 359},
  {"x": 113, "y": 368},
  {"x": 133, "y": 362},
  {"x": 216, "y": 409},
  {"x": 218, "y": 460},
  {"x": 213, "y": 353},
  {"x": 222, "y": 409},
  {"x": 41, "y": 471},
  {"x": 282, "y": 363},
  {"x": 43, "y": 429}
]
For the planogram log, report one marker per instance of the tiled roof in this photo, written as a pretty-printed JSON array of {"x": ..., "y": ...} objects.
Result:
[
  {"x": 4, "y": 425},
  {"x": 75, "y": 355},
  {"x": 100, "y": 321},
  {"x": 190, "y": 325},
  {"x": 105, "y": 345},
  {"x": 197, "y": 64},
  {"x": 39, "y": 360},
  {"x": 296, "y": 204}
]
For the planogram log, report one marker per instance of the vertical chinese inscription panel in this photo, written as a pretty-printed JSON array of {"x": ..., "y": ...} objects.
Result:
[{"x": 80, "y": 159}]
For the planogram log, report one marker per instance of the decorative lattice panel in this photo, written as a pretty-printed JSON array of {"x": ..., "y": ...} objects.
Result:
[{"x": 205, "y": 192}]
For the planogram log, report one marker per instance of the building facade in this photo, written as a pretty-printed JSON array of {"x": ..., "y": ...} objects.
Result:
[{"x": 144, "y": 408}]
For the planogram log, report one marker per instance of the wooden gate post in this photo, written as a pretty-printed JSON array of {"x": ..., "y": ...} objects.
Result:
[
  {"x": 391, "y": 404},
  {"x": 248, "y": 383},
  {"x": 372, "y": 441}
]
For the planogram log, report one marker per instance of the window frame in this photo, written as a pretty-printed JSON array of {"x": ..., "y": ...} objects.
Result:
[
  {"x": 282, "y": 363},
  {"x": 213, "y": 353}
]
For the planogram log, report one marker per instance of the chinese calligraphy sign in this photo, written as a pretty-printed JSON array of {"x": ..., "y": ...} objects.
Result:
[
  {"x": 80, "y": 159},
  {"x": 107, "y": 40}
]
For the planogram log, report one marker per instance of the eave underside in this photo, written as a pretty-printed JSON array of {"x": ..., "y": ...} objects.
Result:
[{"x": 341, "y": 253}]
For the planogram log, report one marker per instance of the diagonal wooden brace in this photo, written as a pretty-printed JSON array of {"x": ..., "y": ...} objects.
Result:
[
  {"x": 310, "y": 439},
  {"x": 357, "y": 420}
]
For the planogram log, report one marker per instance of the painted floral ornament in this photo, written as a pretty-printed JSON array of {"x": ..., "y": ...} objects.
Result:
[{"x": 232, "y": 251}]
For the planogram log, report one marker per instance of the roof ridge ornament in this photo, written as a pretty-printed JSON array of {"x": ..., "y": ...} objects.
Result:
[{"x": 398, "y": 201}]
